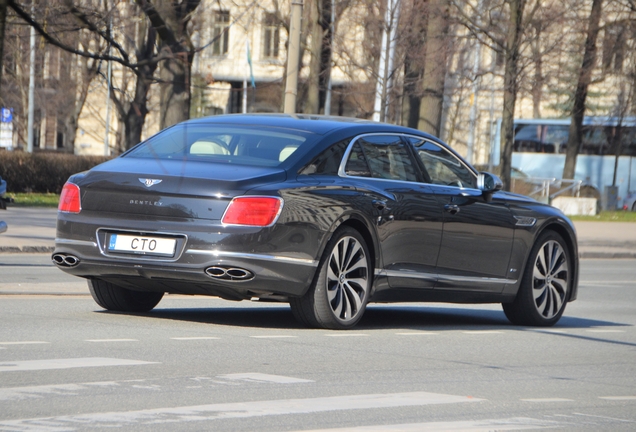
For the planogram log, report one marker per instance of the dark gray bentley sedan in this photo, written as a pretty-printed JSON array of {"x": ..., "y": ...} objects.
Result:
[{"x": 327, "y": 214}]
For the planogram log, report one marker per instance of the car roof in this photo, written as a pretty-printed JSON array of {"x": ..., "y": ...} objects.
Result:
[{"x": 317, "y": 124}]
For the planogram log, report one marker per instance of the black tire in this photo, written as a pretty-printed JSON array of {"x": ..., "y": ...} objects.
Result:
[
  {"x": 545, "y": 287},
  {"x": 634, "y": 206},
  {"x": 340, "y": 290},
  {"x": 114, "y": 298}
]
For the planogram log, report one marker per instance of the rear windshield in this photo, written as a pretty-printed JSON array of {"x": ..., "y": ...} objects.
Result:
[{"x": 225, "y": 144}]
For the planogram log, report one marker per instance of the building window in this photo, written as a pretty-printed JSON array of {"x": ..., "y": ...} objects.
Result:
[
  {"x": 271, "y": 36},
  {"x": 220, "y": 32},
  {"x": 614, "y": 48}
]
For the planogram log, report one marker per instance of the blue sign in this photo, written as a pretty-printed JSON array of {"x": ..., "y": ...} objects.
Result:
[{"x": 6, "y": 115}]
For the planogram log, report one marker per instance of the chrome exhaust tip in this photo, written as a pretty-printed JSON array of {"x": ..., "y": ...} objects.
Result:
[
  {"x": 63, "y": 260},
  {"x": 229, "y": 273}
]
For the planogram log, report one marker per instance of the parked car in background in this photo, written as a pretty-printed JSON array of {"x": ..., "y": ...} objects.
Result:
[
  {"x": 629, "y": 203},
  {"x": 326, "y": 214}
]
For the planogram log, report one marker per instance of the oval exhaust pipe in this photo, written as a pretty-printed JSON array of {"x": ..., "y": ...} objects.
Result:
[
  {"x": 64, "y": 260},
  {"x": 229, "y": 273}
]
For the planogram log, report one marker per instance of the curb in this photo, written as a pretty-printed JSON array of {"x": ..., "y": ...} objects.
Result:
[{"x": 26, "y": 249}]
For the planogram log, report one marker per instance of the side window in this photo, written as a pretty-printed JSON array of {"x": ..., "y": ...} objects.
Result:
[
  {"x": 357, "y": 164},
  {"x": 442, "y": 166},
  {"x": 386, "y": 157},
  {"x": 327, "y": 162}
]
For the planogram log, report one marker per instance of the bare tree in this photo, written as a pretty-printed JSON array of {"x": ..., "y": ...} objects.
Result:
[{"x": 585, "y": 77}]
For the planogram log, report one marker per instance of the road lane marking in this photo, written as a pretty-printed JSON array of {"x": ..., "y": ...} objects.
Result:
[
  {"x": 32, "y": 365},
  {"x": 259, "y": 377},
  {"x": 417, "y": 334},
  {"x": 112, "y": 340},
  {"x": 24, "y": 343},
  {"x": 509, "y": 424},
  {"x": 346, "y": 335},
  {"x": 618, "y": 398},
  {"x": 195, "y": 338},
  {"x": 128, "y": 419},
  {"x": 36, "y": 392},
  {"x": 273, "y": 337},
  {"x": 480, "y": 332},
  {"x": 548, "y": 400}
]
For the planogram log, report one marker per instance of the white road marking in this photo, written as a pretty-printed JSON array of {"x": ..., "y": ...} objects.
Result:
[
  {"x": 548, "y": 400},
  {"x": 618, "y": 398},
  {"x": 259, "y": 377},
  {"x": 128, "y": 419},
  {"x": 36, "y": 392},
  {"x": 273, "y": 337},
  {"x": 422, "y": 333},
  {"x": 195, "y": 338},
  {"x": 112, "y": 340},
  {"x": 479, "y": 332},
  {"x": 31, "y": 365},
  {"x": 24, "y": 343},
  {"x": 605, "y": 331},
  {"x": 346, "y": 335},
  {"x": 516, "y": 423}
]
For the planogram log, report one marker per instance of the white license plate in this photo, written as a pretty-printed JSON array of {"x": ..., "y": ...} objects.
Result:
[{"x": 142, "y": 244}]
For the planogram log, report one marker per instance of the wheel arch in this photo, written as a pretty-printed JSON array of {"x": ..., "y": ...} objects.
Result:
[{"x": 362, "y": 226}]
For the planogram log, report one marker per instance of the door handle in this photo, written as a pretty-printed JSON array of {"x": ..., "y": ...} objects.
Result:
[{"x": 452, "y": 208}]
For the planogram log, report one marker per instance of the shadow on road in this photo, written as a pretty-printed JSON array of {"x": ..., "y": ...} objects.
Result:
[{"x": 375, "y": 318}]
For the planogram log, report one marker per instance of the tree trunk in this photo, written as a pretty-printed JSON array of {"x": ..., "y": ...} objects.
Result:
[
  {"x": 585, "y": 77},
  {"x": 87, "y": 70},
  {"x": 3, "y": 22},
  {"x": 174, "y": 76},
  {"x": 430, "y": 119},
  {"x": 411, "y": 98},
  {"x": 511, "y": 71}
]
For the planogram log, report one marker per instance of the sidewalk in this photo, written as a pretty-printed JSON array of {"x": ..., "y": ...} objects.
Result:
[{"x": 32, "y": 230}]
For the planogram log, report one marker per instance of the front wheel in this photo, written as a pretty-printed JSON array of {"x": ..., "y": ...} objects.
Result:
[
  {"x": 339, "y": 293},
  {"x": 545, "y": 286},
  {"x": 115, "y": 298}
]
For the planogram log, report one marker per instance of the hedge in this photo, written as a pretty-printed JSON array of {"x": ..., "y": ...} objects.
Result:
[{"x": 42, "y": 172}]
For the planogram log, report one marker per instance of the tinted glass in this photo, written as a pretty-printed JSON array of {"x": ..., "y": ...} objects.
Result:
[
  {"x": 327, "y": 162},
  {"x": 357, "y": 163},
  {"x": 219, "y": 143},
  {"x": 387, "y": 157},
  {"x": 443, "y": 167}
]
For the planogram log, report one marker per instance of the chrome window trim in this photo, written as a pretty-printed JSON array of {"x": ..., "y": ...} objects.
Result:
[
  {"x": 261, "y": 257},
  {"x": 343, "y": 163}
]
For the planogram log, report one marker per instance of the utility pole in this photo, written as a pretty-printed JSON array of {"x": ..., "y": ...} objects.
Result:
[
  {"x": 31, "y": 114},
  {"x": 293, "y": 57}
]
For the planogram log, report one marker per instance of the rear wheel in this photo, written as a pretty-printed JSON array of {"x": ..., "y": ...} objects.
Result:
[
  {"x": 339, "y": 293},
  {"x": 114, "y": 298},
  {"x": 545, "y": 286}
]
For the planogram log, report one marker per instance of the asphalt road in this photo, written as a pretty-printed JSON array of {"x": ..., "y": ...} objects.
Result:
[{"x": 198, "y": 363}]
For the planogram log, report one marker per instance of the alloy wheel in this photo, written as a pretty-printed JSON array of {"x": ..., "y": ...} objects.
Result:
[
  {"x": 550, "y": 279},
  {"x": 347, "y": 279}
]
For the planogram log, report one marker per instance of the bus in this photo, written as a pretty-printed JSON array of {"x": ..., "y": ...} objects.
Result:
[{"x": 539, "y": 151}]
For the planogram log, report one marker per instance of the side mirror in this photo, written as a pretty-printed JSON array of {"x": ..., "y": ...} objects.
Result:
[{"x": 489, "y": 183}]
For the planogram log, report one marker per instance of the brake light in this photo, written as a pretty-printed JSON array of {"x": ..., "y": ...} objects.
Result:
[
  {"x": 70, "y": 199},
  {"x": 253, "y": 211}
]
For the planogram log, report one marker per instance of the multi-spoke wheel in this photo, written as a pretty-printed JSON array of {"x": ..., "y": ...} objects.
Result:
[
  {"x": 544, "y": 289},
  {"x": 339, "y": 294}
]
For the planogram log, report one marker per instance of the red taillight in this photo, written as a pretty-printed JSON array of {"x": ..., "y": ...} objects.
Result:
[
  {"x": 254, "y": 211},
  {"x": 70, "y": 199}
]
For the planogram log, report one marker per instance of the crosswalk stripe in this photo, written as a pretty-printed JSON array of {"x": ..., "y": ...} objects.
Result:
[
  {"x": 31, "y": 365},
  {"x": 128, "y": 419},
  {"x": 112, "y": 340},
  {"x": 24, "y": 343},
  {"x": 259, "y": 377},
  {"x": 510, "y": 424},
  {"x": 195, "y": 338}
]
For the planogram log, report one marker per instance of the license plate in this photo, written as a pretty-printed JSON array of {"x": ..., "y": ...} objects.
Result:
[{"x": 142, "y": 244}]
